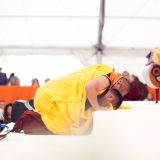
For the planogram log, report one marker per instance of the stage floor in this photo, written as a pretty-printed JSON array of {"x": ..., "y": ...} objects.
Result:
[{"x": 126, "y": 134}]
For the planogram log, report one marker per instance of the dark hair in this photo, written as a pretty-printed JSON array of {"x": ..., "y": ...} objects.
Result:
[
  {"x": 119, "y": 101},
  {"x": 127, "y": 82},
  {"x": 5, "y": 113}
]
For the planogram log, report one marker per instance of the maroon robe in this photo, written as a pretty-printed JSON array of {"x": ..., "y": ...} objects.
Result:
[{"x": 31, "y": 123}]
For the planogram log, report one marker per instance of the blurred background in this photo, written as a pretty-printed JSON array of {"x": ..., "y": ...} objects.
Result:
[{"x": 49, "y": 38}]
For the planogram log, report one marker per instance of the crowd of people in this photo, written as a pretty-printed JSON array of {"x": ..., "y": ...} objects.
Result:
[
  {"x": 14, "y": 80},
  {"x": 139, "y": 90},
  {"x": 65, "y": 105}
]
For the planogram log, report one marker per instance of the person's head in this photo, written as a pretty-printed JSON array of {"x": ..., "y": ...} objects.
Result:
[
  {"x": 47, "y": 79},
  {"x": 14, "y": 81},
  {"x": 11, "y": 75},
  {"x": 2, "y": 104},
  {"x": 122, "y": 85},
  {"x": 114, "y": 97},
  {"x": 134, "y": 79},
  {"x": 35, "y": 82},
  {"x": 13, "y": 111},
  {"x": 7, "y": 113},
  {"x": 126, "y": 74}
]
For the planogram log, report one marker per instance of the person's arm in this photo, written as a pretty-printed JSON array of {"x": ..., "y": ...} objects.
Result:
[{"x": 92, "y": 89}]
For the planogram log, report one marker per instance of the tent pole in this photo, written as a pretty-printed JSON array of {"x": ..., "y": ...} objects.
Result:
[
  {"x": 100, "y": 46},
  {"x": 157, "y": 94},
  {"x": 99, "y": 57}
]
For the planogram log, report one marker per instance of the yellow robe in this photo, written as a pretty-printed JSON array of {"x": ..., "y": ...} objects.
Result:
[{"x": 61, "y": 102}]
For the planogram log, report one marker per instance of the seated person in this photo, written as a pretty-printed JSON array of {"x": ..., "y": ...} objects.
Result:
[
  {"x": 138, "y": 90},
  {"x": 3, "y": 78},
  {"x": 14, "y": 81},
  {"x": 13, "y": 111},
  {"x": 35, "y": 82}
]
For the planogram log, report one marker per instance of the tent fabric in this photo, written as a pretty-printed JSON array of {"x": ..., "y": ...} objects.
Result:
[
  {"x": 52, "y": 27},
  {"x": 75, "y": 23}
]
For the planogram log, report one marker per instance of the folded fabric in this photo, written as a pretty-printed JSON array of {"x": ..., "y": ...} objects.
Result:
[
  {"x": 31, "y": 123},
  {"x": 125, "y": 107}
]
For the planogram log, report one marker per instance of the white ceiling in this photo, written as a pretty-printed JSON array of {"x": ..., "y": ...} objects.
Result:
[{"x": 74, "y": 23}]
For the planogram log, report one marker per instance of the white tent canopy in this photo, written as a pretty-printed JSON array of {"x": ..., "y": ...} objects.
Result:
[
  {"x": 70, "y": 23},
  {"x": 53, "y": 27}
]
